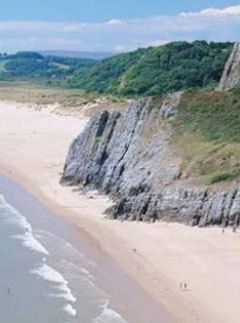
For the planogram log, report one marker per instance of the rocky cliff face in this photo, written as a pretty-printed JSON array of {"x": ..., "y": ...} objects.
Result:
[
  {"x": 129, "y": 156},
  {"x": 231, "y": 74}
]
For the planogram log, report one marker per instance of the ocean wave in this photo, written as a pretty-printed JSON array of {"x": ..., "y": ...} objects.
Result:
[
  {"x": 61, "y": 288},
  {"x": 30, "y": 242},
  {"x": 66, "y": 294},
  {"x": 109, "y": 316},
  {"x": 27, "y": 238},
  {"x": 50, "y": 274},
  {"x": 70, "y": 310}
]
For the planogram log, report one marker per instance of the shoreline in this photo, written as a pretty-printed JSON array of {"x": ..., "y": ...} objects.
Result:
[
  {"x": 27, "y": 203},
  {"x": 157, "y": 257},
  {"x": 127, "y": 288}
]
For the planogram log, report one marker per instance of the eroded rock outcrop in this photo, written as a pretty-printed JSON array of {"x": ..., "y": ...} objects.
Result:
[
  {"x": 130, "y": 156},
  {"x": 231, "y": 74}
]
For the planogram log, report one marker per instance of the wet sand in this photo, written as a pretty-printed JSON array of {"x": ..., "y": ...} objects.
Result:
[
  {"x": 30, "y": 124},
  {"x": 158, "y": 257},
  {"x": 108, "y": 276}
]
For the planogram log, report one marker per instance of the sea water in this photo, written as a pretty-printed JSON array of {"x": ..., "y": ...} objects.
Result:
[{"x": 43, "y": 276}]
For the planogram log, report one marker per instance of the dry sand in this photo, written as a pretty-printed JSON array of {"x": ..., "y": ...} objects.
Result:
[{"x": 160, "y": 257}]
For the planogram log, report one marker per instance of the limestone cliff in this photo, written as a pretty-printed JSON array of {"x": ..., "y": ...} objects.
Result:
[
  {"x": 129, "y": 156},
  {"x": 231, "y": 74}
]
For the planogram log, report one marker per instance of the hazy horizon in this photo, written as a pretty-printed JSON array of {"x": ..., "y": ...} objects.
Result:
[{"x": 118, "y": 27}]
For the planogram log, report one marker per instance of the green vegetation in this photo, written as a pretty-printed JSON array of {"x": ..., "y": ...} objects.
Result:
[
  {"x": 216, "y": 115},
  {"x": 228, "y": 176},
  {"x": 69, "y": 101},
  {"x": 207, "y": 134},
  {"x": 31, "y": 65},
  {"x": 107, "y": 76},
  {"x": 144, "y": 72},
  {"x": 207, "y": 131},
  {"x": 157, "y": 71}
]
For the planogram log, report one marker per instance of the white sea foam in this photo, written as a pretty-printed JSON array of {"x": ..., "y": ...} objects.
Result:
[
  {"x": 66, "y": 294},
  {"x": 50, "y": 274},
  {"x": 27, "y": 238},
  {"x": 30, "y": 242},
  {"x": 70, "y": 310},
  {"x": 11, "y": 216},
  {"x": 109, "y": 316}
]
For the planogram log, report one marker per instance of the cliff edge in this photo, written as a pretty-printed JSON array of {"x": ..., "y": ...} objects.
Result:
[
  {"x": 231, "y": 74},
  {"x": 130, "y": 156}
]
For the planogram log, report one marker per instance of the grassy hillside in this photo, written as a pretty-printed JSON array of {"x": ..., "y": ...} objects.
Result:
[
  {"x": 207, "y": 135},
  {"x": 156, "y": 71},
  {"x": 144, "y": 72},
  {"x": 66, "y": 101},
  {"x": 27, "y": 65}
]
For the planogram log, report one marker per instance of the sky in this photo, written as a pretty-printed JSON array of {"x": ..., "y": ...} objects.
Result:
[{"x": 114, "y": 26}]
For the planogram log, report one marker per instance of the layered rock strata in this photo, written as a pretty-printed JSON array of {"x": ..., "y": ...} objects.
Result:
[
  {"x": 130, "y": 157},
  {"x": 231, "y": 74}
]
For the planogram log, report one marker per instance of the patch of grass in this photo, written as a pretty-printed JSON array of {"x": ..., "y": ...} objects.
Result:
[
  {"x": 228, "y": 176},
  {"x": 26, "y": 92},
  {"x": 155, "y": 103},
  {"x": 207, "y": 135},
  {"x": 70, "y": 102},
  {"x": 215, "y": 115}
]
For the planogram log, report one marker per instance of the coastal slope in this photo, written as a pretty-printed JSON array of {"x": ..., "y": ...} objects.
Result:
[{"x": 132, "y": 157}]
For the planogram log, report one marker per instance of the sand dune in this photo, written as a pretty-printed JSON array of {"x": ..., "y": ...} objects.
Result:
[{"x": 160, "y": 257}]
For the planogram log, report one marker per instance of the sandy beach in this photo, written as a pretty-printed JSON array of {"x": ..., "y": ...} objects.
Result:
[{"x": 160, "y": 257}]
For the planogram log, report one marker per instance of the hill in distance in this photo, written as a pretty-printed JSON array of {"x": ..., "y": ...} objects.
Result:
[
  {"x": 157, "y": 70},
  {"x": 33, "y": 65},
  {"x": 77, "y": 54},
  {"x": 149, "y": 71}
]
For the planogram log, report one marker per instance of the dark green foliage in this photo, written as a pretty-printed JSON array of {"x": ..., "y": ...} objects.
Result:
[
  {"x": 228, "y": 176},
  {"x": 27, "y": 65},
  {"x": 144, "y": 72},
  {"x": 26, "y": 55},
  {"x": 30, "y": 67},
  {"x": 156, "y": 71},
  {"x": 105, "y": 77}
]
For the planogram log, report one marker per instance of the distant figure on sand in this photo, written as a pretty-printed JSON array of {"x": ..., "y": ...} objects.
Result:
[{"x": 183, "y": 287}]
